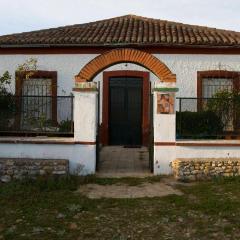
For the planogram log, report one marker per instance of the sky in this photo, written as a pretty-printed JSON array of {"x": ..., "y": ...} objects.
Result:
[{"x": 27, "y": 15}]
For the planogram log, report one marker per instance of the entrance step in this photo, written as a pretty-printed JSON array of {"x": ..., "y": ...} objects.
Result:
[{"x": 119, "y": 161}]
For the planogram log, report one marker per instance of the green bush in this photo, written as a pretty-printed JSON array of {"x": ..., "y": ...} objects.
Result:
[
  {"x": 8, "y": 110},
  {"x": 198, "y": 124},
  {"x": 7, "y": 102},
  {"x": 65, "y": 126},
  {"x": 226, "y": 106}
]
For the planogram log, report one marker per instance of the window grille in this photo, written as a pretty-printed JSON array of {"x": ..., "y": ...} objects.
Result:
[
  {"x": 38, "y": 102},
  {"x": 214, "y": 81},
  {"x": 211, "y": 86}
]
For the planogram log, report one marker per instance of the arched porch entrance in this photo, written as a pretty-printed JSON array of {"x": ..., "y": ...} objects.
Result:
[
  {"x": 125, "y": 55},
  {"x": 116, "y": 56}
]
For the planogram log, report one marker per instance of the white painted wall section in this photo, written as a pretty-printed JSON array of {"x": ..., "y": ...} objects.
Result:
[
  {"x": 164, "y": 128},
  {"x": 85, "y": 116},
  {"x": 207, "y": 152},
  {"x": 164, "y": 132},
  {"x": 82, "y": 156},
  {"x": 164, "y": 124},
  {"x": 185, "y": 66},
  {"x": 164, "y": 155}
]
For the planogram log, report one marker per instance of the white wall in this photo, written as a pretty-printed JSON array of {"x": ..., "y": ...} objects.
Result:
[
  {"x": 85, "y": 116},
  {"x": 164, "y": 155},
  {"x": 66, "y": 65},
  {"x": 85, "y": 155},
  {"x": 77, "y": 154},
  {"x": 185, "y": 66},
  {"x": 164, "y": 124}
]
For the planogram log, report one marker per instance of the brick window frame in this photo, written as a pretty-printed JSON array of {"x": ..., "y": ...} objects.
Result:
[
  {"x": 20, "y": 76},
  {"x": 234, "y": 75},
  {"x": 217, "y": 74}
]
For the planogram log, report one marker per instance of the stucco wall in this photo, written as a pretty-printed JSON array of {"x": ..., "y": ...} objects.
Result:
[
  {"x": 83, "y": 156},
  {"x": 185, "y": 66},
  {"x": 164, "y": 155},
  {"x": 68, "y": 65}
]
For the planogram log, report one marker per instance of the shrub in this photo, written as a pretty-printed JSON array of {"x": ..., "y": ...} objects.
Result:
[
  {"x": 198, "y": 124},
  {"x": 65, "y": 126},
  {"x": 226, "y": 105},
  {"x": 7, "y": 102}
]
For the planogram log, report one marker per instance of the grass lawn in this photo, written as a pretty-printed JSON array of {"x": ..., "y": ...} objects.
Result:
[{"x": 47, "y": 209}]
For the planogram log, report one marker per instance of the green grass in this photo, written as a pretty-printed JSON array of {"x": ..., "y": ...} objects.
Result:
[{"x": 51, "y": 209}]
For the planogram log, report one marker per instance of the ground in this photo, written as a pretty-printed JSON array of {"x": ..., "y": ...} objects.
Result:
[
  {"x": 55, "y": 209},
  {"x": 142, "y": 188}
]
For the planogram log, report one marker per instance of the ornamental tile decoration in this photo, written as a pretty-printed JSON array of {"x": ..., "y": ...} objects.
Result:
[{"x": 86, "y": 85}]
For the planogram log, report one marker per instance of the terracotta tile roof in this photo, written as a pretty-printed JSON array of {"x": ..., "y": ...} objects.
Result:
[{"x": 127, "y": 30}]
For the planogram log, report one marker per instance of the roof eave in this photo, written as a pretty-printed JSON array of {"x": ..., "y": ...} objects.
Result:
[{"x": 110, "y": 45}]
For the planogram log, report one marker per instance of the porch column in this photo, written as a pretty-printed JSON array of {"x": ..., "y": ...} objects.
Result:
[
  {"x": 164, "y": 120},
  {"x": 85, "y": 128},
  {"x": 85, "y": 115}
]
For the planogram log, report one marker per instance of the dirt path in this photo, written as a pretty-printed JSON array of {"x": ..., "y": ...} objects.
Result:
[{"x": 156, "y": 189}]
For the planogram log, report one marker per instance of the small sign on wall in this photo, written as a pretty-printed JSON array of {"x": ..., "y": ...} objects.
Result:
[{"x": 165, "y": 103}]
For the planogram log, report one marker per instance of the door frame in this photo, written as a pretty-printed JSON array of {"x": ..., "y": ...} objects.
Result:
[{"x": 145, "y": 103}]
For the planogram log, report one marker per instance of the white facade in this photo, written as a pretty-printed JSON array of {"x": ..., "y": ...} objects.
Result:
[{"x": 185, "y": 66}]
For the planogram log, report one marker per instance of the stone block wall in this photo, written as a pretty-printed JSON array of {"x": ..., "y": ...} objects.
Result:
[
  {"x": 16, "y": 168},
  {"x": 193, "y": 169}
]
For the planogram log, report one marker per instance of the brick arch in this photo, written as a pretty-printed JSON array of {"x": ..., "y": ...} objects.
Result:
[{"x": 105, "y": 60}]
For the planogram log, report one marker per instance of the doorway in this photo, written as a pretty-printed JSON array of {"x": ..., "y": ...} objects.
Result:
[
  {"x": 125, "y": 128},
  {"x": 125, "y": 108},
  {"x": 125, "y": 111}
]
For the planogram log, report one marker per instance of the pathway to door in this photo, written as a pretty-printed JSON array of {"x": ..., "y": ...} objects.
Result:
[{"x": 118, "y": 161}]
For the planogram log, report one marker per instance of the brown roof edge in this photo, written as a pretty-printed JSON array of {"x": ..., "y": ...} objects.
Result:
[
  {"x": 119, "y": 45},
  {"x": 103, "y": 49}
]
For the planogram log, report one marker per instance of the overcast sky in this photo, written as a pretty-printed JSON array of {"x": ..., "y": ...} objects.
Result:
[{"x": 27, "y": 15}]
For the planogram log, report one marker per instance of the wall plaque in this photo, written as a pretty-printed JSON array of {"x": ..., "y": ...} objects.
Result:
[{"x": 165, "y": 103}]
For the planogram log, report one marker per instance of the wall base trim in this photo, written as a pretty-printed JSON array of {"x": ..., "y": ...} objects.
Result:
[
  {"x": 32, "y": 140},
  {"x": 164, "y": 143}
]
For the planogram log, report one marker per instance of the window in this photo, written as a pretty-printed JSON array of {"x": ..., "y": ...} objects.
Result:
[
  {"x": 37, "y": 98},
  {"x": 211, "y": 82}
]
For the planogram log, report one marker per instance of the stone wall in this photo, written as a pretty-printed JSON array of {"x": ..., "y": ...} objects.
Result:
[
  {"x": 193, "y": 169},
  {"x": 16, "y": 168}
]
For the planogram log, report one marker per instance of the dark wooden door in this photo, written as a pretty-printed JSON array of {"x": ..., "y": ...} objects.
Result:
[{"x": 125, "y": 111}]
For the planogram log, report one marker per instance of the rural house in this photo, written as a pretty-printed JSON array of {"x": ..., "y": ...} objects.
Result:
[{"x": 167, "y": 89}]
